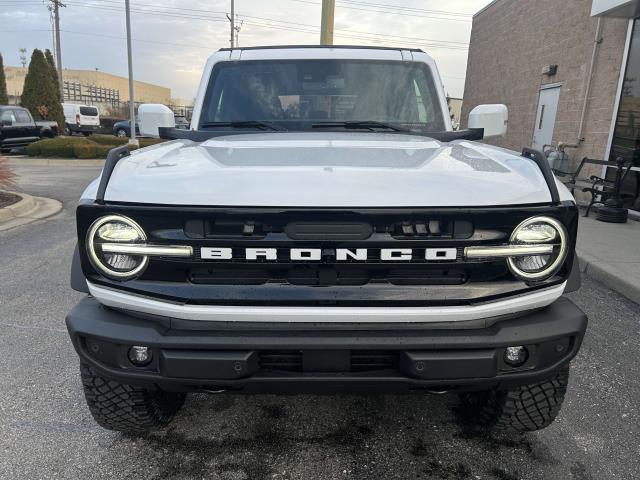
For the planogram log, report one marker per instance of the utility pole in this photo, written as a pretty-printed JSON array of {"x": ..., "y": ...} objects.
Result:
[
  {"x": 56, "y": 19},
  {"x": 231, "y": 21},
  {"x": 132, "y": 105},
  {"x": 237, "y": 29},
  {"x": 326, "y": 28}
]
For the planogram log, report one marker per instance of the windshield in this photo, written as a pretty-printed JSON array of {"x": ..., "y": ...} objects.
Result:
[{"x": 300, "y": 94}]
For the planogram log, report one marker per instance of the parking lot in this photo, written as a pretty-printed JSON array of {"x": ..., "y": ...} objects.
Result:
[{"x": 46, "y": 430}]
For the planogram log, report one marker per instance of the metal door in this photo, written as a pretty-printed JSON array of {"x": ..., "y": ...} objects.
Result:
[{"x": 546, "y": 117}]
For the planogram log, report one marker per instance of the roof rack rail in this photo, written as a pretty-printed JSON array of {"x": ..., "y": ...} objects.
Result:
[
  {"x": 363, "y": 47},
  {"x": 113, "y": 157},
  {"x": 541, "y": 161}
]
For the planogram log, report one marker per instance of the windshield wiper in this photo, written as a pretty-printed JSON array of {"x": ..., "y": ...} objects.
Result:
[
  {"x": 363, "y": 124},
  {"x": 245, "y": 124}
]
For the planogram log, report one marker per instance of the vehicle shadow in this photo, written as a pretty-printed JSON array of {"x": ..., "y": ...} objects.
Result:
[{"x": 310, "y": 436}]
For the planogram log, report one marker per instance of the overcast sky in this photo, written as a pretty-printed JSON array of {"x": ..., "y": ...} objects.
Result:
[{"x": 173, "y": 38}]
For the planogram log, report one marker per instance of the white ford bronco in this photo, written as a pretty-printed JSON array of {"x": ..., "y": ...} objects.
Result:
[{"x": 321, "y": 228}]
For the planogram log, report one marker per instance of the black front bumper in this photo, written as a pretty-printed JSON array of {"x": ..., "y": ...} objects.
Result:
[{"x": 285, "y": 358}]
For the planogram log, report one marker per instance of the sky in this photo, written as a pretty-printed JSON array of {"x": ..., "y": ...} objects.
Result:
[{"x": 173, "y": 38}]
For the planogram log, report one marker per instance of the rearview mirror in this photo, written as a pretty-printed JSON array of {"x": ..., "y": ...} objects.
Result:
[{"x": 493, "y": 119}]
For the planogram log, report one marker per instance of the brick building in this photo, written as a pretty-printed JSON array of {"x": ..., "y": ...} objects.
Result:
[{"x": 557, "y": 66}]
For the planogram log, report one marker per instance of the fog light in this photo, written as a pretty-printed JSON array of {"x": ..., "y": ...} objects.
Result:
[
  {"x": 140, "y": 356},
  {"x": 516, "y": 356}
]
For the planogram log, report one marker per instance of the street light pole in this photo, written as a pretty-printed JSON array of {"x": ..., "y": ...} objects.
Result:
[
  {"x": 326, "y": 28},
  {"x": 132, "y": 106}
]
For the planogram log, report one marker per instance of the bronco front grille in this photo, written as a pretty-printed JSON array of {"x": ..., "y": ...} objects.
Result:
[
  {"x": 326, "y": 280},
  {"x": 325, "y": 275}
]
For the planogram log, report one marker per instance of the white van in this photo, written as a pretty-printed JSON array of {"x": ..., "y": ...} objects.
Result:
[{"x": 83, "y": 119}]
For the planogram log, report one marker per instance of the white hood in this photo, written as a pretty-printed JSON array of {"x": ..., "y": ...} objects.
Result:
[{"x": 326, "y": 170}]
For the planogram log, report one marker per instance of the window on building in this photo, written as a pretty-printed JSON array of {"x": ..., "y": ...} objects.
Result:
[{"x": 626, "y": 134}]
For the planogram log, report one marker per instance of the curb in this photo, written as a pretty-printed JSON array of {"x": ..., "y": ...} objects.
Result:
[
  {"x": 27, "y": 210},
  {"x": 611, "y": 277},
  {"x": 21, "y": 208},
  {"x": 22, "y": 161}
]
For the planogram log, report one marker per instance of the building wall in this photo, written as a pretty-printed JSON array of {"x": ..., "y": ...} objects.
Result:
[
  {"x": 144, "y": 92},
  {"x": 512, "y": 40}
]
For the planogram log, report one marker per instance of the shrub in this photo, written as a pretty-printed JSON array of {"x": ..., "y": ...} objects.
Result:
[
  {"x": 39, "y": 93},
  {"x": 86, "y": 149},
  {"x": 147, "y": 142},
  {"x": 33, "y": 149},
  {"x": 62, "y": 147},
  {"x": 109, "y": 140},
  {"x": 57, "y": 147},
  {"x": 102, "y": 150}
]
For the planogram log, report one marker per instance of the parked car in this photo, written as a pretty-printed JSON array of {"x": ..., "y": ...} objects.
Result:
[
  {"x": 325, "y": 229},
  {"x": 19, "y": 129},
  {"x": 83, "y": 119},
  {"x": 123, "y": 128}
]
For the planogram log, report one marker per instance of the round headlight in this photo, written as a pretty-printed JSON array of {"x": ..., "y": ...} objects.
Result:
[
  {"x": 539, "y": 231},
  {"x": 116, "y": 229}
]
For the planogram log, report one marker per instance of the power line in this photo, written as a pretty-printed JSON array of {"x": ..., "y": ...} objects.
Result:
[
  {"x": 149, "y": 12},
  {"x": 400, "y": 7},
  {"x": 269, "y": 23},
  {"x": 390, "y": 12},
  {"x": 119, "y": 37},
  {"x": 291, "y": 26}
]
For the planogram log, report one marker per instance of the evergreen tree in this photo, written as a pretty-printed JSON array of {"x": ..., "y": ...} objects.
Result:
[
  {"x": 39, "y": 94},
  {"x": 54, "y": 71},
  {"x": 4, "y": 98}
]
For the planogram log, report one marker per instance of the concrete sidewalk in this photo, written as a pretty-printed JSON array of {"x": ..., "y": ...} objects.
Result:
[{"x": 610, "y": 253}]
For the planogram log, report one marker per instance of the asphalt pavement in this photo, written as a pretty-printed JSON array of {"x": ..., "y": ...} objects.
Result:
[{"x": 46, "y": 430}]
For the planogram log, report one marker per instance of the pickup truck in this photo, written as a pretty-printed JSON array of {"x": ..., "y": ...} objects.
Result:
[
  {"x": 19, "y": 129},
  {"x": 323, "y": 229}
]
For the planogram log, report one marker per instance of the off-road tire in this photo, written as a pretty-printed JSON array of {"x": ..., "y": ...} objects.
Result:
[
  {"x": 127, "y": 408},
  {"x": 523, "y": 409}
]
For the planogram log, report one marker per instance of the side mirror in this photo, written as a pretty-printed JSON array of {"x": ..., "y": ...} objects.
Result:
[
  {"x": 151, "y": 116},
  {"x": 6, "y": 122},
  {"x": 493, "y": 119}
]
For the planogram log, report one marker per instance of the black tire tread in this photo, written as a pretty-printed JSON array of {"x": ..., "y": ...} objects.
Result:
[
  {"x": 524, "y": 409},
  {"x": 127, "y": 408}
]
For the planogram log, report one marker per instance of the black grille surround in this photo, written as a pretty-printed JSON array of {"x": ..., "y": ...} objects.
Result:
[{"x": 326, "y": 282}]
